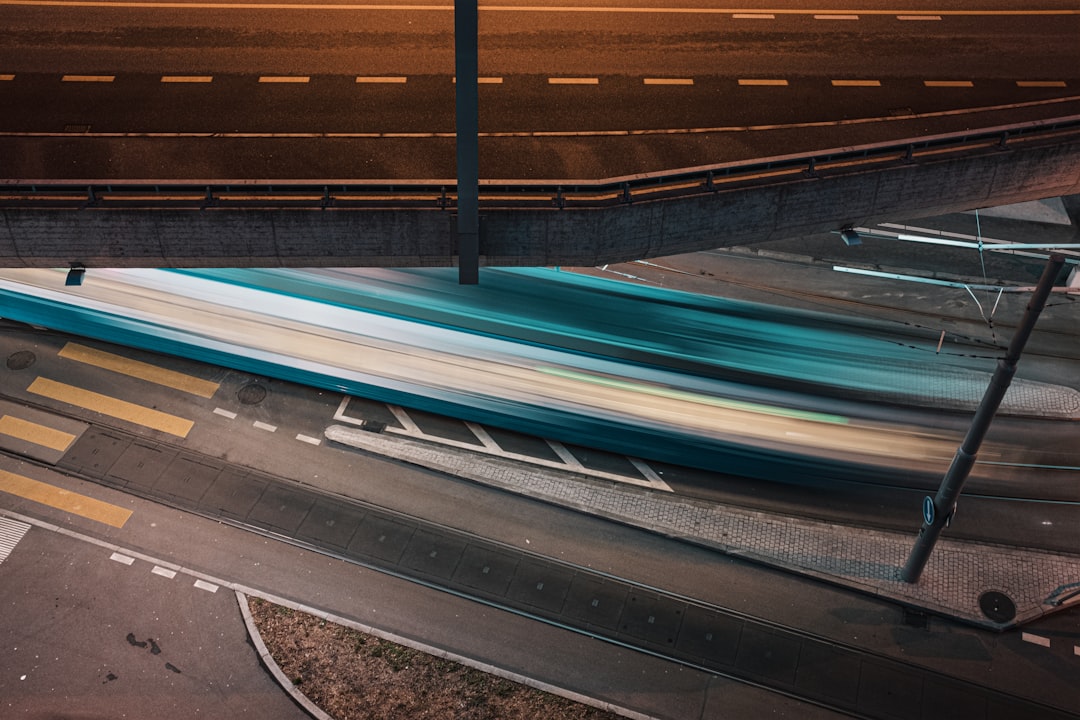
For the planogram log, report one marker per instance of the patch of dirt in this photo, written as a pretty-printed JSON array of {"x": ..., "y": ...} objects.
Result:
[{"x": 353, "y": 675}]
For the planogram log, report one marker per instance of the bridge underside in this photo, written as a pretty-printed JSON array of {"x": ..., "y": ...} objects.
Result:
[{"x": 767, "y": 206}]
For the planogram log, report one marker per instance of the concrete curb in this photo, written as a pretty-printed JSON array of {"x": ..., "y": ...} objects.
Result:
[{"x": 268, "y": 660}]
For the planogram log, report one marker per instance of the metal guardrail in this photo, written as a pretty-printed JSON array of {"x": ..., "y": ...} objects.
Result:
[{"x": 513, "y": 194}]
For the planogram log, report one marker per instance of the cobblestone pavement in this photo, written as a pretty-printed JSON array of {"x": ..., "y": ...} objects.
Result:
[{"x": 957, "y": 576}]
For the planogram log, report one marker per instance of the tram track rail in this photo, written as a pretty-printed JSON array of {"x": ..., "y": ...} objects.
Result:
[{"x": 796, "y": 663}]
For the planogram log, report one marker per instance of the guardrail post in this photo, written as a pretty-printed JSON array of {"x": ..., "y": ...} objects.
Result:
[
  {"x": 326, "y": 197},
  {"x": 91, "y": 198},
  {"x": 1003, "y": 142},
  {"x": 560, "y": 202},
  {"x": 626, "y": 196},
  {"x": 910, "y": 154},
  {"x": 811, "y": 170},
  {"x": 710, "y": 184}
]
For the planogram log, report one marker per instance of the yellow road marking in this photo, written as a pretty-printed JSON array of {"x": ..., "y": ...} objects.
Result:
[
  {"x": 137, "y": 369},
  {"x": 88, "y": 78},
  {"x": 113, "y": 407},
  {"x": 187, "y": 78},
  {"x": 38, "y": 434},
  {"x": 856, "y": 83},
  {"x": 61, "y": 499},
  {"x": 7, "y": 76},
  {"x": 381, "y": 79},
  {"x": 751, "y": 81}
]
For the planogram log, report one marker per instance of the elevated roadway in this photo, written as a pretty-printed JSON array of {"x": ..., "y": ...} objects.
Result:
[{"x": 335, "y": 94}]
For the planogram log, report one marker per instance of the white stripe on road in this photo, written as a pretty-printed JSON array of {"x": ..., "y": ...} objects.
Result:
[
  {"x": 1035, "y": 639},
  {"x": 265, "y": 426},
  {"x": 121, "y": 558},
  {"x": 668, "y": 81},
  {"x": 309, "y": 440},
  {"x": 164, "y": 572},
  {"x": 11, "y": 532},
  {"x": 573, "y": 81},
  {"x": 284, "y": 78},
  {"x": 227, "y": 413}
]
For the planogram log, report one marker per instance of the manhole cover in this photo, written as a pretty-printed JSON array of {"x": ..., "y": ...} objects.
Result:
[
  {"x": 251, "y": 394},
  {"x": 20, "y": 360},
  {"x": 997, "y": 606}
]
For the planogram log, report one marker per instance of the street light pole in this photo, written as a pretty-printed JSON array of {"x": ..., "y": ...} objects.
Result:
[
  {"x": 467, "y": 142},
  {"x": 938, "y": 511}
]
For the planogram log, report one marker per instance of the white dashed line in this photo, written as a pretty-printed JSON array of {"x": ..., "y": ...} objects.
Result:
[
  {"x": 918, "y": 17},
  {"x": 121, "y": 558},
  {"x": 836, "y": 17},
  {"x": 483, "y": 80},
  {"x": 88, "y": 78},
  {"x": 309, "y": 440},
  {"x": 393, "y": 79},
  {"x": 573, "y": 81},
  {"x": 856, "y": 83},
  {"x": 265, "y": 426},
  {"x": 284, "y": 78},
  {"x": 762, "y": 82},
  {"x": 753, "y": 16},
  {"x": 227, "y": 413},
  {"x": 164, "y": 572},
  {"x": 7, "y": 77},
  {"x": 187, "y": 78},
  {"x": 1035, "y": 639},
  {"x": 203, "y": 585},
  {"x": 668, "y": 81},
  {"x": 1041, "y": 83},
  {"x": 949, "y": 83}
]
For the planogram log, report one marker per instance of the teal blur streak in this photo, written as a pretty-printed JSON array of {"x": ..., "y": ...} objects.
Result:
[{"x": 674, "y": 394}]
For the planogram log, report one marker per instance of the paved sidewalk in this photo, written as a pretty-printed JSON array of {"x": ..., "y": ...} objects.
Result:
[{"x": 958, "y": 575}]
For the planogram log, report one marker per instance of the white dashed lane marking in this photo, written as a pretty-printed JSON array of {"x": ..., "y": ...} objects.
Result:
[
  {"x": 7, "y": 76},
  {"x": 763, "y": 82},
  {"x": 309, "y": 440},
  {"x": 1035, "y": 639},
  {"x": 856, "y": 83},
  {"x": 573, "y": 81},
  {"x": 391, "y": 79},
  {"x": 203, "y": 585},
  {"x": 1041, "y": 83},
  {"x": 11, "y": 532},
  {"x": 123, "y": 559},
  {"x": 164, "y": 572},
  {"x": 284, "y": 78},
  {"x": 225, "y": 413},
  {"x": 949, "y": 83},
  {"x": 265, "y": 426},
  {"x": 668, "y": 81},
  {"x": 88, "y": 78},
  {"x": 187, "y": 78}
]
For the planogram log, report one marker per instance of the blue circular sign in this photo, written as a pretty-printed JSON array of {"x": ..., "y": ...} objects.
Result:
[{"x": 928, "y": 510}]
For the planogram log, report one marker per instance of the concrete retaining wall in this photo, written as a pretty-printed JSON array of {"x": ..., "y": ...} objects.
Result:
[{"x": 767, "y": 210}]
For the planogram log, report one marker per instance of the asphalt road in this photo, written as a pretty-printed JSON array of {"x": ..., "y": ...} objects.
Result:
[{"x": 132, "y": 91}]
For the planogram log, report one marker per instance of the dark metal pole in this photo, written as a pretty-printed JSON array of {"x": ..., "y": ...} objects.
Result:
[
  {"x": 938, "y": 512},
  {"x": 466, "y": 33}
]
